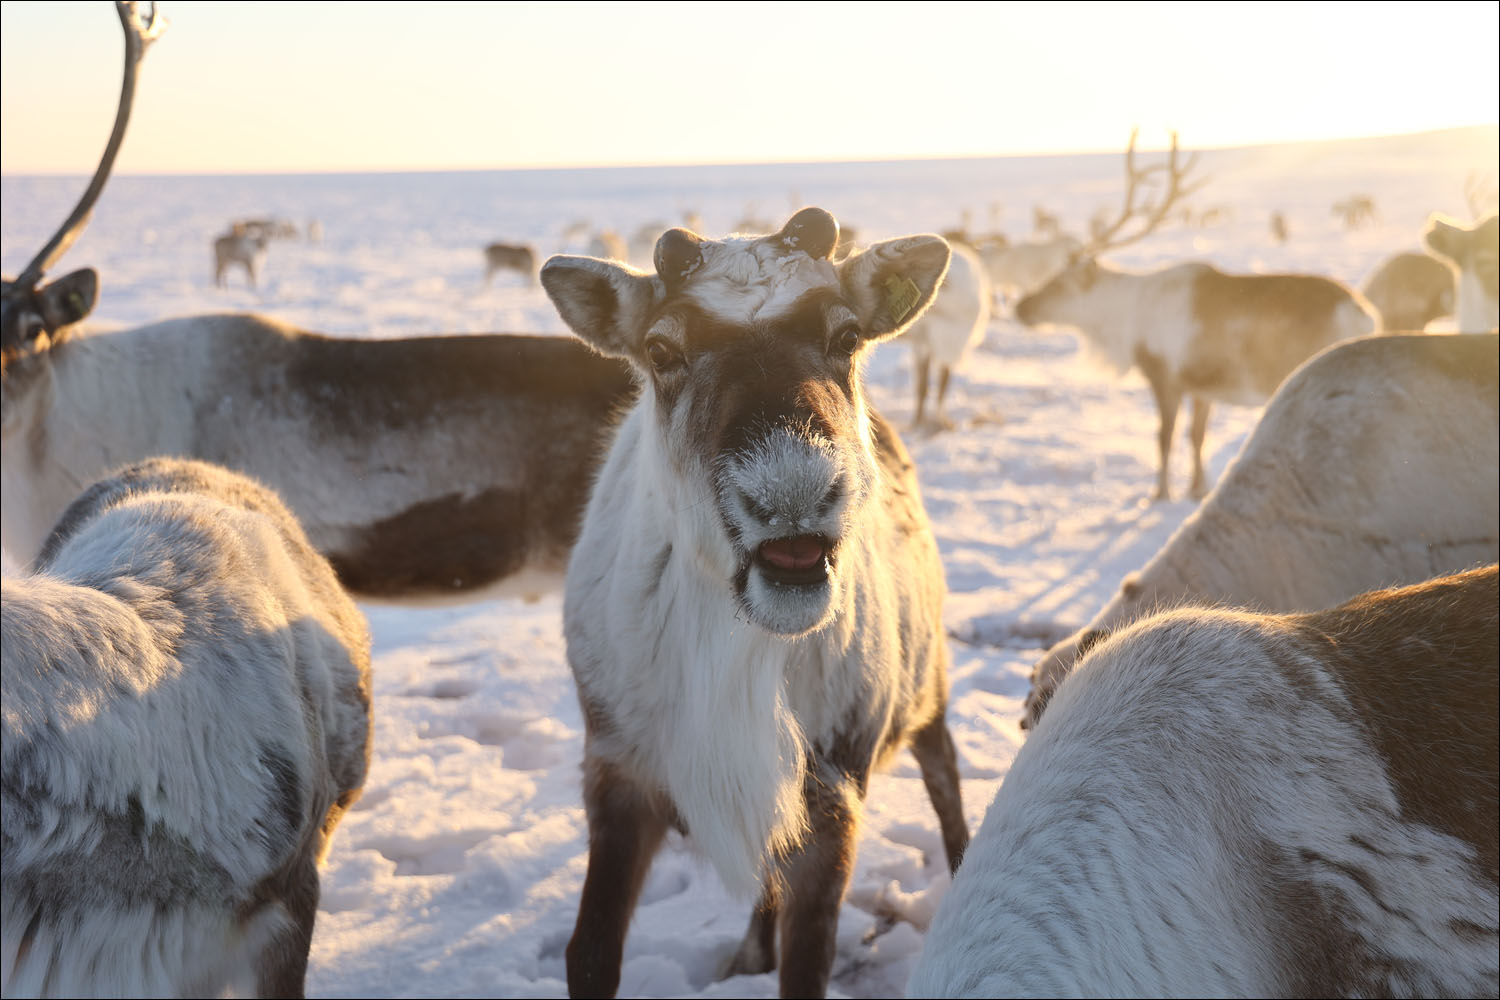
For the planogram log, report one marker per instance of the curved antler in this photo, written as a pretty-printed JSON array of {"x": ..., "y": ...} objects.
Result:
[
  {"x": 1106, "y": 236},
  {"x": 139, "y": 34}
]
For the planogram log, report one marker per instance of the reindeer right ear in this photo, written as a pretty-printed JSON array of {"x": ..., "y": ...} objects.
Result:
[{"x": 604, "y": 302}]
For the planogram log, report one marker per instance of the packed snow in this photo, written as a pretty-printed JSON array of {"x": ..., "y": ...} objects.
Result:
[{"x": 458, "y": 873}]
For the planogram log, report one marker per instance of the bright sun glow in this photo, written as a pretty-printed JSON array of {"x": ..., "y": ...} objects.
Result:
[{"x": 322, "y": 86}]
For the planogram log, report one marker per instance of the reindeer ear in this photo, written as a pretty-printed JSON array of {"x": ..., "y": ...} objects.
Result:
[
  {"x": 891, "y": 283},
  {"x": 1443, "y": 237},
  {"x": 69, "y": 299},
  {"x": 604, "y": 302}
]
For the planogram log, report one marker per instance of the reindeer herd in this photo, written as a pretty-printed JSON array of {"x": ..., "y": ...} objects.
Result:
[{"x": 1269, "y": 766}]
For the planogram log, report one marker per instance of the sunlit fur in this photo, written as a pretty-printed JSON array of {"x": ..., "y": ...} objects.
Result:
[
  {"x": 1374, "y": 465},
  {"x": 186, "y": 707},
  {"x": 1226, "y": 804}
]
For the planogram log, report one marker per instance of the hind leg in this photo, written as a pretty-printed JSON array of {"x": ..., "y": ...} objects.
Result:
[
  {"x": 938, "y": 759},
  {"x": 1168, "y": 394}
]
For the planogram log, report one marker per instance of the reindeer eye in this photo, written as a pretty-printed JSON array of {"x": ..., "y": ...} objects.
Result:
[
  {"x": 664, "y": 357},
  {"x": 847, "y": 340}
]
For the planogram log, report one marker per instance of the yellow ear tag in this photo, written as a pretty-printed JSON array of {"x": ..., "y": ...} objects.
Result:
[{"x": 901, "y": 296}]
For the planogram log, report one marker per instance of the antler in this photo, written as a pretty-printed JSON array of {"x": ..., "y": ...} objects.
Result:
[
  {"x": 1106, "y": 235},
  {"x": 139, "y": 34}
]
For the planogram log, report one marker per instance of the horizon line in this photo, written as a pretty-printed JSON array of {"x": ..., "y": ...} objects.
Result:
[{"x": 1154, "y": 148}]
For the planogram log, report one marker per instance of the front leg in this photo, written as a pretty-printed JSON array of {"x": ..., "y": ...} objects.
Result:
[
  {"x": 757, "y": 952},
  {"x": 815, "y": 878},
  {"x": 626, "y": 827}
]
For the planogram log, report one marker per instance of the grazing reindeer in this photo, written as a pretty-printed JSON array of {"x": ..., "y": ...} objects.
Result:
[
  {"x": 186, "y": 713},
  {"x": 752, "y": 609},
  {"x": 1376, "y": 463},
  {"x": 1222, "y": 803},
  {"x": 943, "y": 334},
  {"x": 425, "y": 467},
  {"x": 1474, "y": 254},
  {"x": 244, "y": 246},
  {"x": 1410, "y": 290},
  {"x": 509, "y": 257}
]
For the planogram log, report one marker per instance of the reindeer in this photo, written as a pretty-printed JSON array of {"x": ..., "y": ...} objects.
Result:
[
  {"x": 610, "y": 245},
  {"x": 1192, "y": 329},
  {"x": 1279, "y": 231},
  {"x": 1222, "y": 803},
  {"x": 242, "y": 245},
  {"x": 186, "y": 717},
  {"x": 1474, "y": 255},
  {"x": 509, "y": 257},
  {"x": 423, "y": 467},
  {"x": 1375, "y": 464},
  {"x": 753, "y": 607},
  {"x": 1356, "y": 211},
  {"x": 1410, "y": 290},
  {"x": 943, "y": 334}
]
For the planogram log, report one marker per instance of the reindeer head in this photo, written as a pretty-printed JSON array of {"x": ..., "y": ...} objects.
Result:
[
  {"x": 749, "y": 350},
  {"x": 28, "y": 311},
  {"x": 1054, "y": 301}
]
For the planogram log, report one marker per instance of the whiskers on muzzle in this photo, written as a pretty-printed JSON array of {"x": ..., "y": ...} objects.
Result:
[{"x": 786, "y": 500}]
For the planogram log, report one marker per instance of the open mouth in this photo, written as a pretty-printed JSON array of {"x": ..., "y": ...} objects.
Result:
[{"x": 797, "y": 561}]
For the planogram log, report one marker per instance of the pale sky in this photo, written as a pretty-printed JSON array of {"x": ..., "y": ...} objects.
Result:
[{"x": 266, "y": 86}]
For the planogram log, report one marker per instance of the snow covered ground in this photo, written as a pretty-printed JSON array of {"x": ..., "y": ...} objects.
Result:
[{"x": 458, "y": 873}]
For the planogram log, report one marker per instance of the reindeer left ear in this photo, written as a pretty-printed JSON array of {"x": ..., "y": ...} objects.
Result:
[
  {"x": 69, "y": 299},
  {"x": 891, "y": 283}
]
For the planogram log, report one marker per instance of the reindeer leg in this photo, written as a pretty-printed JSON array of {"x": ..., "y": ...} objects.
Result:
[
  {"x": 920, "y": 364},
  {"x": 757, "y": 953},
  {"x": 816, "y": 877},
  {"x": 625, "y": 831},
  {"x": 1168, "y": 393},
  {"x": 282, "y": 968},
  {"x": 1200, "y": 427},
  {"x": 938, "y": 759},
  {"x": 942, "y": 394}
]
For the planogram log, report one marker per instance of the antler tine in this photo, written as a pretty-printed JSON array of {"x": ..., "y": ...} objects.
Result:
[
  {"x": 1152, "y": 214},
  {"x": 139, "y": 35}
]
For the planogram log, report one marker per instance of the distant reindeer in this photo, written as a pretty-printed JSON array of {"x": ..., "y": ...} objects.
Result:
[
  {"x": 1474, "y": 255},
  {"x": 271, "y": 229},
  {"x": 422, "y": 467},
  {"x": 1410, "y": 290},
  {"x": 943, "y": 334},
  {"x": 509, "y": 257},
  {"x": 186, "y": 706},
  {"x": 1279, "y": 230},
  {"x": 1356, "y": 210},
  {"x": 609, "y": 245},
  {"x": 242, "y": 246},
  {"x": 753, "y": 607},
  {"x": 1017, "y": 269},
  {"x": 1377, "y": 463},
  {"x": 1220, "y": 803},
  {"x": 1192, "y": 329}
]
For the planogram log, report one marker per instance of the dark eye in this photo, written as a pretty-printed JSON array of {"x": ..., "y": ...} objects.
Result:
[
  {"x": 663, "y": 356},
  {"x": 847, "y": 340}
]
